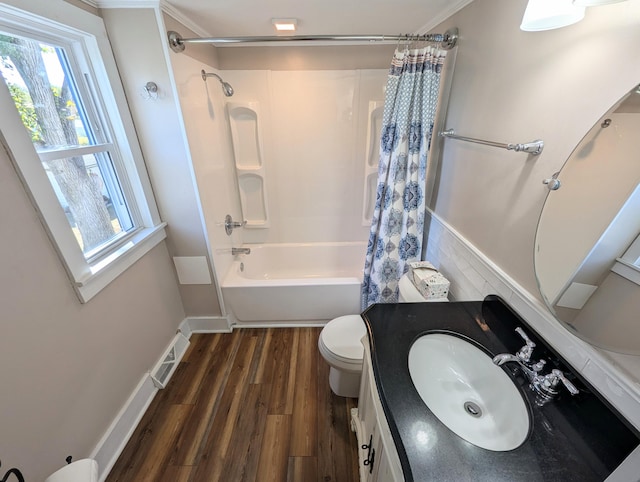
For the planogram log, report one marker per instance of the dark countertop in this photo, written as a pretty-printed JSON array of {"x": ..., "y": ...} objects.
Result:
[{"x": 579, "y": 438}]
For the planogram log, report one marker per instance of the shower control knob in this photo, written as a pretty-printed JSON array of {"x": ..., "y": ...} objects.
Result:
[{"x": 229, "y": 224}]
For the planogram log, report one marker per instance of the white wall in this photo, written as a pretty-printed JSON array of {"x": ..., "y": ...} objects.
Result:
[
  {"x": 67, "y": 368},
  {"x": 314, "y": 125},
  {"x": 203, "y": 110},
  {"x": 514, "y": 86},
  {"x": 137, "y": 37}
]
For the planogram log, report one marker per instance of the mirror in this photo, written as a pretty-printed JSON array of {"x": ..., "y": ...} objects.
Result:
[{"x": 586, "y": 262}]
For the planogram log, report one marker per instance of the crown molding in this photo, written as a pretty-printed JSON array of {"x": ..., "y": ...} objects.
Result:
[
  {"x": 165, "y": 6},
  {"x": 453, "y": 8},
  {"x": 125, "y": 3},
  {"x": 183, "y": 19},
  {"x": 175, "y": 13}
]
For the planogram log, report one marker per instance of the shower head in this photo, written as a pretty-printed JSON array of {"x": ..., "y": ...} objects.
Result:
[{"x": 226, "y": 87}]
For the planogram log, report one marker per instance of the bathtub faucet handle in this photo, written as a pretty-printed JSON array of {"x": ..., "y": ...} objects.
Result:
[{"x": 229, "y": 224}]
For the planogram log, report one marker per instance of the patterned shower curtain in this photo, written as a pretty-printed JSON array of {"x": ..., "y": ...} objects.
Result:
[{"x": 407, "y": 127}]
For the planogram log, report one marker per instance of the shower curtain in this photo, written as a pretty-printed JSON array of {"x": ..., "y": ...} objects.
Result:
[{"x": 407, "y": 127}]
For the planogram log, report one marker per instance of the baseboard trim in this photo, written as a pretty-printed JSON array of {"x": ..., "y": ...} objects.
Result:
[
  {"x": 114, "y": 440},
  {"x": 205, "y": 324},
  {"x": 280, "y": 324}
]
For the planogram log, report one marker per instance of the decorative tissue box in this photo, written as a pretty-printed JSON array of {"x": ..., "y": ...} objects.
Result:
[{"x": 429, "y": 282}]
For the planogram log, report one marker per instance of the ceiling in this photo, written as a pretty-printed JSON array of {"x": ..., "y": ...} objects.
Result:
[{"x": 234, "y": 18}]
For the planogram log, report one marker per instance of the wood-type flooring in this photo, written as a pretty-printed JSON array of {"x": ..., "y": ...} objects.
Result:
[{"x": 252, "y": 405}]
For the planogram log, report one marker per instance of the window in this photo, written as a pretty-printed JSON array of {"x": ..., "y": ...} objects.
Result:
[
  {"x": 71, "y": 145},
  {"x": 628, "y": 265},
  {"x": 632, "y": 255}
]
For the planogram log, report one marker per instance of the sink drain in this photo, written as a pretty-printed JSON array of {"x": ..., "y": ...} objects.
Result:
[{"x": 473, "y": 409}]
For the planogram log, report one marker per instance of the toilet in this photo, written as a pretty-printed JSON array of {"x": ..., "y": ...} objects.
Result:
[
  {"x": 85, "y": 470},
  {"x": 339, "y": 343}
]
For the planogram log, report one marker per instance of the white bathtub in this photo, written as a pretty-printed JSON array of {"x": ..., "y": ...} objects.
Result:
[{"x": 295, "y": 283}]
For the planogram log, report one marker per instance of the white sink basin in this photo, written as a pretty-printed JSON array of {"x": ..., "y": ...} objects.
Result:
[{"x": 473, "y": 397}]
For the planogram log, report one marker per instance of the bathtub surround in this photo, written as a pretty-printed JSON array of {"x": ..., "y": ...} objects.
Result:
[
  {"x": 294, "y": 283},
  {"x": 313, "y": 133},
  {"x": 245, "y": 123},
  {"x": 412, "y": 92}
]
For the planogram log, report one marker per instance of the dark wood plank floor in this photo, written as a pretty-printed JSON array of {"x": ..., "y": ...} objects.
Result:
[{"x": 252, "y": 405}]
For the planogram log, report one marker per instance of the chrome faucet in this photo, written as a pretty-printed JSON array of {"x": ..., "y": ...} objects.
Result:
[
  {"x": 544, "y": 386},
  {"x": 529, "y": 369},
  {"x": 236, "y": 251}
]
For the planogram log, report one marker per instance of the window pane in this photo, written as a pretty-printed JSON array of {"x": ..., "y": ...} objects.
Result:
[
  {"x": 92, "y": 202},
  {"x": 39, "y": 78}
]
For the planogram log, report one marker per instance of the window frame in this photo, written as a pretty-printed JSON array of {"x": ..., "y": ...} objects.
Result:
[
  {"x": 628, "y": 265},
  {"x": 84, "y": 37}
]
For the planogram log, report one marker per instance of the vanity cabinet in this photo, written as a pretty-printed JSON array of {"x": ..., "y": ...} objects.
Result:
[{"x": 377, "y": 456}]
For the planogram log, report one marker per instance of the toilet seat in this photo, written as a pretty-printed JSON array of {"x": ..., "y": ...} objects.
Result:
[{"x": 339, "y": 342}]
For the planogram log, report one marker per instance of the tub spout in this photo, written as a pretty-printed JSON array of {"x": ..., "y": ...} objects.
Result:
[
  {"x": 530, "y": 370},
  {"x": 236, "y": 251}
]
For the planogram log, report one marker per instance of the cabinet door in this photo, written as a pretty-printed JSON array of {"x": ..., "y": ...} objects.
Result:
[
  {"x": 376, "y": 449},
  {"x": 383, "y": 470}
]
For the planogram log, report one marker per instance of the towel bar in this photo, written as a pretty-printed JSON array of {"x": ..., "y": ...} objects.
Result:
[{"x": 534, "y": 147}]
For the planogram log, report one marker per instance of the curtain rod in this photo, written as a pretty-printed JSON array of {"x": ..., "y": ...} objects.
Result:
[{"x": 447, "y": 40}]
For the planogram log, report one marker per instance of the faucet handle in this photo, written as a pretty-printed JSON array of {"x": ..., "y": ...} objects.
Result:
[
  {"x": 229, "y": 224},
  {"x": 525, "y": 352},
  {"x": 556, "y": 375}
]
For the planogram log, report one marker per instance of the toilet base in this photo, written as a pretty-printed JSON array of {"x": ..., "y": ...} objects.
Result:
[{"x": 344, "y": 384}]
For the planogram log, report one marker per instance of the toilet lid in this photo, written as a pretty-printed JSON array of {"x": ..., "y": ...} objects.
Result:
[
  {"x": 408, "y": 291},
  {"x": 342, "y": 336}
]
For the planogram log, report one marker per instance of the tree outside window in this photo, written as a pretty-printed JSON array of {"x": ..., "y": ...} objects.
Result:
[{"x": 72, "y": 143}]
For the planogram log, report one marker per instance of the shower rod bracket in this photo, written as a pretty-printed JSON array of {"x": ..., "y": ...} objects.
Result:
[
  {"x": 176, "y": 41},
  {"x": 534, "y": 147},
  {"x": 447, "y": 40}
]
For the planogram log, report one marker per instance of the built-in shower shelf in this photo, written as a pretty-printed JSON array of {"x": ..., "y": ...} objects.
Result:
[
  {"x": 246, "y": 134},
  {"x": 374, "y": 128}
]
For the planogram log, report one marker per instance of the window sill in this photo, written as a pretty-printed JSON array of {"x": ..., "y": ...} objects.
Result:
[
  {"x": 108, "y": 269},
  {"x": 627, "y": 270}
]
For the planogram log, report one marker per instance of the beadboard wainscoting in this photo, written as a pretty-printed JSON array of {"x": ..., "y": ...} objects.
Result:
[{"x": 473, "y": 276}]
